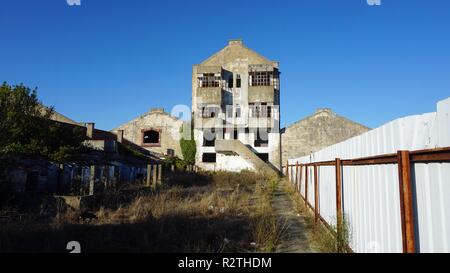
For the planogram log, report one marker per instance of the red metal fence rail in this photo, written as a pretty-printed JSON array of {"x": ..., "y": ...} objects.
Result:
[{"x": 403, "y": 159}]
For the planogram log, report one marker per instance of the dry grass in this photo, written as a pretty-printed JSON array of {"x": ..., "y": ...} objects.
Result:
[{"x": 221, "y": 212}]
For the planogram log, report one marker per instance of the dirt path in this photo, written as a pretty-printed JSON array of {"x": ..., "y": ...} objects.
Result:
[{"x": 296, "y": 235}]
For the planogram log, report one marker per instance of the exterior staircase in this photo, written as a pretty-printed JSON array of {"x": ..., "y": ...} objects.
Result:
[{"x": 236, "y": 147}]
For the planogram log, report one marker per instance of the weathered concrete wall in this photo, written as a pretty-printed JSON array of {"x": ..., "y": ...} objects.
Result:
[
  {"x": 236, "y": 59},
  {"x": 322, "y": 129},
  {"x": 156, "y": 119}
]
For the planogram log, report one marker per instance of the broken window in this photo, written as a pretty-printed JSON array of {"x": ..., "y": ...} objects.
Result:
[
  {"x": 238, "y": 81},
  {"x": 260, "y": 78},
  {"x": 209, "y": 80},
  {"x": 209, "y": 157},
  {"x": 260, "y": 110},
  {"x": 151, "y": 137},
  {"x": 262, "y": 138},
  {"x": 209, "y": 111}
]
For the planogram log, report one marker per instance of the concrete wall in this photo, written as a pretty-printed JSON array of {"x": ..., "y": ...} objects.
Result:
[
  {"x": 322, "y": 129},
  {"x": 157, "y": 119},
  {"x": 235, "y": 59}
]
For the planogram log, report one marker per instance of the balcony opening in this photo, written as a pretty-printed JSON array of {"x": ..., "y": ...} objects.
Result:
[
  {"x": 209, "y": 112},
  {"x": 262, "y": 138},
  {"x": 209, "y": 80},
  {"x": 209, "y": 157},
  {"x": 151, "y": 138},
  {"x": 260, "y": 110}
]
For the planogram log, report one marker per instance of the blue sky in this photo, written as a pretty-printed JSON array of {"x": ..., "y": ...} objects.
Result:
[{"x": 110, "y": 61}]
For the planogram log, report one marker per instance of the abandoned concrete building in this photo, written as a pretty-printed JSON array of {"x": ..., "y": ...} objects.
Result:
[
  {"x": 322, "y": 129},
  {"x": 235, "y": 105},
  {"x": 156, "y": 131}
]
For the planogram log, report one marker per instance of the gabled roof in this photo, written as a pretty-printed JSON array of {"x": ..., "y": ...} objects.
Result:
[{"x": 235, "y": 50}]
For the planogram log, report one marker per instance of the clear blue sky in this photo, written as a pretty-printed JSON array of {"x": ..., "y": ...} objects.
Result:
[{"x": 109, "y": 61}]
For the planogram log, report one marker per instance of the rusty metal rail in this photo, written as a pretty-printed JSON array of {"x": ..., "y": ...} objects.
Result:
[{"x": 403, "y": 159}]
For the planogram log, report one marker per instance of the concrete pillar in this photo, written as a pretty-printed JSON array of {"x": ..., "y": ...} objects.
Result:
[
  {"x": 154, "y": 176},
  {"x": 92, "y": 180},
  {"x": 159, "y": 174},
  {"x": 149, "y": 175}
]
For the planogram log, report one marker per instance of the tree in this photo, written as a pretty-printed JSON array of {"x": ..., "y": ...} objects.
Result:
[
  {"x": 26, "y": 128},
  {"x": 188, "y": 145}
]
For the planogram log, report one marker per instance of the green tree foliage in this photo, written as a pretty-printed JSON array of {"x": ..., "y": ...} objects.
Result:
[
  {"x": 188, "y": 146},
  {"x": 25, "y": 127}
]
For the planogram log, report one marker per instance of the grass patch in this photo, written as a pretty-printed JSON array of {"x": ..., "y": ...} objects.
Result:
[{"x": 220, "y": 212}]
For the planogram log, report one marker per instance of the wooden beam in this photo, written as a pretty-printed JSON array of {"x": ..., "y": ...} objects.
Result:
[
  {"x": 296, "y": 174},
  {"x": 406, "y": 202}
]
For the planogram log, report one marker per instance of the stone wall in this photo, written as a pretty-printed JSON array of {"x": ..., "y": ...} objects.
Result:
[
  {"x": 322, "y": 129},
  {"x": 168, "y": 126}
]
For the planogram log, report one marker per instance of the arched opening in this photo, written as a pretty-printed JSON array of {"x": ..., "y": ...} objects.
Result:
[{"x": 151, "y": 137}]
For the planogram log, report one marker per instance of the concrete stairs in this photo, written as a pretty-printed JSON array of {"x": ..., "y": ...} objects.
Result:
[{"x": 236, "y": 147}]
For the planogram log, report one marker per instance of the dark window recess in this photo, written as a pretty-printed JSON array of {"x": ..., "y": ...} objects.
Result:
[
  {"x": 264, "y": 156},
  {"x": 170, "y": 152},
  {"x": 260, "y": 78},
  {"x": 209, "y": 157},
  {"x": 262, "y": 138},
  {"x": 151, "y": 137},
  {"x": 235, "y": 134},
  {"x": 238, "y": 111},
  {"x": 230, "y": 81},
  {"x": 209, "y": 80},
  {"x": 238, "y": 81},
  {"x": 31, "y": 185}
]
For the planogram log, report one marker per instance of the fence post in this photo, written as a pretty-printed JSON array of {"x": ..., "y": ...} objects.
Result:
[
  {"x": 406, "y": 201},
  {"x": 300, "y": 180},
  {"x": 339, "y": 215},
  {"x": 149, "y": 175},
  {"x": 154, "y": 176},
  {"x": 287, "y": 170},
  {"x": 296, "y": 174},
  {"x": 306, "y": 186},
  {"x": 159, "y": 174},
  {"x": 92, "y": 180},
  {"x": 316, "y": 194}
]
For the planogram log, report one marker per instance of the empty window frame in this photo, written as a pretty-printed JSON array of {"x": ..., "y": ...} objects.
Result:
[
  {"x": 262, "y": 138},
  {"x": 260, "y": 78},
  {"x": 238, "y": 81},
  {"x": 209, "y": 157},
  {"x": 238, "y": 111},
  {"x": 151, "y": 137},
  {"x": 209, "y": 112},
  {"x": 209, "y": 80},
  {"x": 260, "y": 110}
]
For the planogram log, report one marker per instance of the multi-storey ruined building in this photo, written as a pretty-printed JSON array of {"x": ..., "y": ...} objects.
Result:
[{"x": 235, "y": 104}]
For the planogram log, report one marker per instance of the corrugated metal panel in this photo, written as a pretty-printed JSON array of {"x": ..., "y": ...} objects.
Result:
[{"x": 371, "y": 193}]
